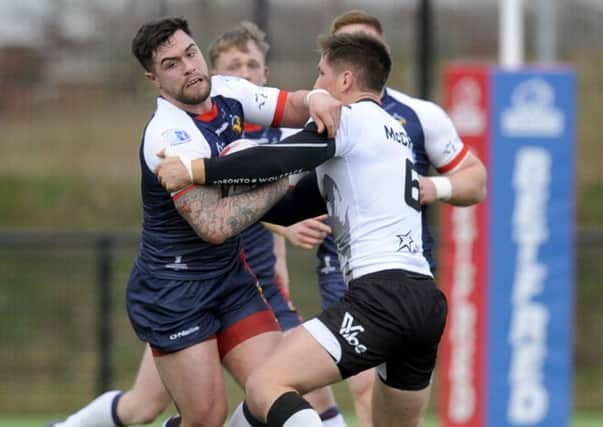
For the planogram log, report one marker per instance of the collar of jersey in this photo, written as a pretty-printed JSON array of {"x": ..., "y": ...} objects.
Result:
[
  {"x": 210, "y": 115},
  {"x": 368, "y": 100},
  {"x": 251, "y": 127}
]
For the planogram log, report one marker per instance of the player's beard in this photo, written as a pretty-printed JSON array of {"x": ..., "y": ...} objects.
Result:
[{"x": 195, "y": 95}]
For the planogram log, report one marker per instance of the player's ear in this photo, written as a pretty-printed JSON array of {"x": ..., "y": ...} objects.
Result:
[
  {"x": 266, "y": 73},
  {"x": 346, "y": 78},
  {"x": 152, "y": 78}
]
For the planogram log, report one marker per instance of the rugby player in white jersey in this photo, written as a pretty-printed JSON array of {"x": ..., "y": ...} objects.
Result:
[
  {"x": 392, "y": 315},
  {"x": 436, "y": 144}
]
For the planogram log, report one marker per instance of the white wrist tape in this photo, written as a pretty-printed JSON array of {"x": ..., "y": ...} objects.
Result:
[
  {"x": 443, "y": 187},
  {"x": 313, "y": 92},
  {"x": 186, "y": 161}
]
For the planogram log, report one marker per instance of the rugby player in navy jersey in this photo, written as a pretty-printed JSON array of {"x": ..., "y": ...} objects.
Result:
[
  {"x": 189, "y": 294},
  {"x": 401, "y": 394},
  {"x": 148, "y": 398}
]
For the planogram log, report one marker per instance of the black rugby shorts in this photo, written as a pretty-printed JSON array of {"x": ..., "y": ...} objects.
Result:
[{"x": 390, "y": 319}]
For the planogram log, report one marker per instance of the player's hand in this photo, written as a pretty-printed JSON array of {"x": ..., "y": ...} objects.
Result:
[
  {"x": 308, "y": 234},
  {"x": 172, "y": 172},
  {"x": 427, "y": 191},
  {"x": 325, "y": 111}
]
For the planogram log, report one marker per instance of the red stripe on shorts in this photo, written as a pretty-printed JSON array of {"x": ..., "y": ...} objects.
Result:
[{"x": 249, "y": 327}]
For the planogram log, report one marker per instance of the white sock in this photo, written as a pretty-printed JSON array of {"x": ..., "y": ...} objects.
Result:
[
  {"x": 240, "y": 418},
  {"x": 336, "y": 421},
  {"x": 304, "y": 418},
  {"x": 97, "y": 413}
]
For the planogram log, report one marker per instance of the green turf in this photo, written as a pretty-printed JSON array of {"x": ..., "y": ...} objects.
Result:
[
  {"x": 39, "y": 421},
  {"x": 585, "y": 419}
]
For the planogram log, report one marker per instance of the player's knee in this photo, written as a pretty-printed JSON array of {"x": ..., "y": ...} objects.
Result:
[
  {"x": 205, "y": 415},
  {"x": 152, "y": 408},
  {"x": 139, "y": 407},
  {"x": 255, "y": 389},
  {"x": 321, "y": 399},
  {"x": 361, "y": 385}
]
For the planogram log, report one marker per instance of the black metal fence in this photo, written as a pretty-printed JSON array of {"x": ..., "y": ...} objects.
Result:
[{"x": 64, "y": 326}]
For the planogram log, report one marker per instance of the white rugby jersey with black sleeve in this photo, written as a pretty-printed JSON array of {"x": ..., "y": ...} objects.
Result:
[
  {"x": 170, "y": 248},
  {"x": 435, "y": 142},
  {"x": 371, "y": 190},
  {"x": 367, "y": 178}
]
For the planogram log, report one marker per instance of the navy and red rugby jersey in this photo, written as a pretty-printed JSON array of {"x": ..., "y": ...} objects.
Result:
[{"x": 170, "y": 248}]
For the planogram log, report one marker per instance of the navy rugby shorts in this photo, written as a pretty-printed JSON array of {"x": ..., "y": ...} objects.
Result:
[
  {"x": 331, "y": 284},
  {"x": 172, "y": 315}
]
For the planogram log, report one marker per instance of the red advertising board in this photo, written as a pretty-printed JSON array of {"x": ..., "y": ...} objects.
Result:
[{"x": 464, "y": 262}]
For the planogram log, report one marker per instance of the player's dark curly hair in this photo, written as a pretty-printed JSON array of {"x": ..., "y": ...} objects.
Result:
[
  {"x": 364, "y": 54},
  {"x": 152, "y": 35}
]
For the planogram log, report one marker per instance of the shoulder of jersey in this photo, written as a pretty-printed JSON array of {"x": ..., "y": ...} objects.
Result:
[
  {"x": 421, "y": 106},
  {"x": 221, "y": 85},
  {"x": 166, "y": 116}
]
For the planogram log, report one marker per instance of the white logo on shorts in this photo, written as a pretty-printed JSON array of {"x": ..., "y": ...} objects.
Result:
[
  {"x": 184, "y": 333},
  {"x": 350, "y": 332}
]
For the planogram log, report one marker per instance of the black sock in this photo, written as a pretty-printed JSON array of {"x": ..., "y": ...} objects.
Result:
[
  {"x": 284, "y": 407},
  {"x": 250, "y": 418}
]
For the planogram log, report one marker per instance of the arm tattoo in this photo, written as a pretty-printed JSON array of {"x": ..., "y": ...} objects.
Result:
[{"x": 216, "y": 219}]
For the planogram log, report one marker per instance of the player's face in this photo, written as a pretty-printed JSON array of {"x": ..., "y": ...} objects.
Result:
[
  {"x": 363, "y": 28},
  {"x": 249, "y": 65},
  {"x": 180, "y": 71},
  {"x": 328, "y": 78}
]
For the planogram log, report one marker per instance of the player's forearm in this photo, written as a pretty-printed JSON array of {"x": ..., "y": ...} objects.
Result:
[
  {"x": 296, "y": 112},
  {"x": 468, "y": 185},
  {"x": 216, "y": 219},
  {"x": 302, "y": 151},
  {"x": 301, "y": 202}
]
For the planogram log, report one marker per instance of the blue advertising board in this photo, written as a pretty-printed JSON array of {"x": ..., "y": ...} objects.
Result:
[{"x": 531, "y": 256}]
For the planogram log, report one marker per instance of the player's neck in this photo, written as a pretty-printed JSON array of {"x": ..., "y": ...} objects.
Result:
[
  {"x": 360, "y": 95},
  {"x": 200, "y": 108}
]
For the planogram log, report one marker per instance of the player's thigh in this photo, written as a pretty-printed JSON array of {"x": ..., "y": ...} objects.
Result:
[
  {"x": 249, "y": 354},
  {"x": 195, "y": 380},
  {"x": 299, "y": 362},
  {"x": 398, "y": 408}
]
